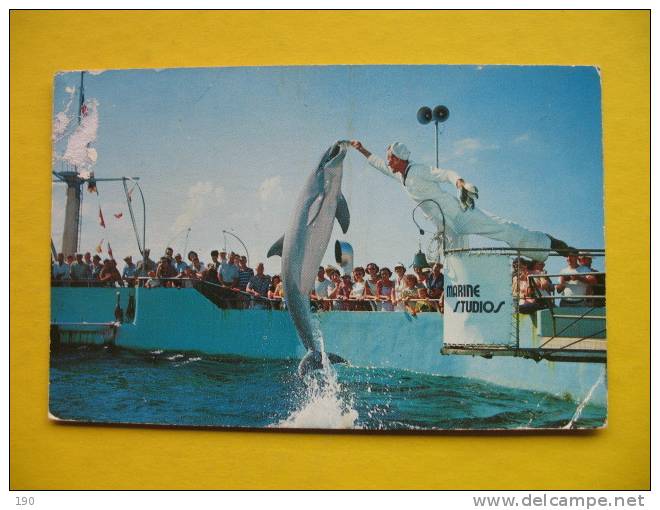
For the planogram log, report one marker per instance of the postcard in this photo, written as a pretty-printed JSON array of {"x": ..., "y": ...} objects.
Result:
[{"x": 329, "y": 247}]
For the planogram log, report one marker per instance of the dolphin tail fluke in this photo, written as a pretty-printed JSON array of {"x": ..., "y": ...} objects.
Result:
[
  {"x": 314, "y": 361},
  {"x": 277, "y": 247}
]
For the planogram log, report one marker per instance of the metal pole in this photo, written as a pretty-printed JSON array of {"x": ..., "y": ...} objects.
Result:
[
  {"x": 247, "y": 255},
  {"x": 437, "y": 156}
]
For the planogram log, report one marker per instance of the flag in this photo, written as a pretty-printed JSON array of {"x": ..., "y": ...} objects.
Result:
[
  {"x": 118, "y": 215},
  {"x": 109, "y": 250},
  {"x": 99, "y": 247},
  {"x": 101, "y": 220}
]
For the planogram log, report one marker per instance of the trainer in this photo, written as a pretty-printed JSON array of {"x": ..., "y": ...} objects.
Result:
[{"x": 461, "y": 217}]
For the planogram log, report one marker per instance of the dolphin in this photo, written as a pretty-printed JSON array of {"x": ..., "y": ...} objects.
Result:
[{"x": 303, "y": 245}]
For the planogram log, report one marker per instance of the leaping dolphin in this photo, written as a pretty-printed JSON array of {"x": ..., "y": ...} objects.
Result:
[{"x": 304, "y": 243}]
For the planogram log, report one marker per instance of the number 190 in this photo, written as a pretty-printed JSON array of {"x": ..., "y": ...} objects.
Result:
[{"x": 23, "y": 500}]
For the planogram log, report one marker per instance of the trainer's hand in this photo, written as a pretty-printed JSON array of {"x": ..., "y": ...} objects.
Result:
[{"x": 357, "y": 145}]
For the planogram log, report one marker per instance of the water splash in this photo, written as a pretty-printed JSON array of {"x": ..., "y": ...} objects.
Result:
[
  {"x": 325, "y": 404},
  {"x": 585, "y": 401}
]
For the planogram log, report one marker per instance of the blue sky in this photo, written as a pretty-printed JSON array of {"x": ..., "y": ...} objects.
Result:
[{"x": 229, "y": 148}]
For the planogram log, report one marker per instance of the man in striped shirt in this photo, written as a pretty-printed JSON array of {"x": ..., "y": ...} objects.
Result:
[{"x": 245, "y": 273}]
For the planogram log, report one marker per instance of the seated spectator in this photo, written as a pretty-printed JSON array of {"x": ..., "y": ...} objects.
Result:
[
  {"x": 179, "y": 265},
  {"x": 407, "y": 297},
  {"x": 129, "y": 274},
  {"x": 152, "y": 282},
  {"x": 245, "y": 273},
  {"x": 80, "y": 272},
  {"x": 385, "y": 290},
  {"x": 373, "y": 277},
  {"x": 573, "y": 286},
  {"x": 423, "y": 303},
  {"x": 187, "y": 278},
  {"x": 61, "y": 272}
]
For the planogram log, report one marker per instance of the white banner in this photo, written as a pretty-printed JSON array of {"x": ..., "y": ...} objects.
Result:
[{"x": 478, "y": 300}]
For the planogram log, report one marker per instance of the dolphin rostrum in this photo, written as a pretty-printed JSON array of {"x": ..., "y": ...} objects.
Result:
[{"x": 304, "y": 244}]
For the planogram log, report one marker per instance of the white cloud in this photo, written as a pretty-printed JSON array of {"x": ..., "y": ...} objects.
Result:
[
  {"x": 270, "y": 188},
  {"x": 200, "y": 197},
  {"x": 471, "y": 145},
  {"x": 521, "y": 138}
]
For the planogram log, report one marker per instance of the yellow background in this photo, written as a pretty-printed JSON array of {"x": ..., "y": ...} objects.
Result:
[{"x": 49, "y": 456}]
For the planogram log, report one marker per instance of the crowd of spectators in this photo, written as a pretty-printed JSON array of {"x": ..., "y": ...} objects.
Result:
[
  {"x": 373, "y": 289},
  {"x": 580, "y": 284}
]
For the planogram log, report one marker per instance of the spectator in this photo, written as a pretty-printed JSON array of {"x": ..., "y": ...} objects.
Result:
[
  {"x": 214, "y": 258},
  {"x": 435, "y": 283},
  {"x": 88, "y": 260},
  {"x": 408, "y": 294},
  {"x": 179, "y": 265},
  {"x": 169, "y": 253},
  {"x": 321, "y": 285},
  {"x": 423, "y": 304},
  {"x": 275, "y": 289},
  {"x": 228, "y": 273},
  {"x": 165, "y": 271},
  {"x": 109, "y": 275},
  {"x": 258, "y": 286},
  {"x": 146, "y": 265},
  {"x": 385, "y": 290},
  {"x": 187, "y": 276},
  {"x": 152, "y": 282},
  {"x": 422, "y": 275},
  {"x": 196, "y": 266},
  {"x": 543, "y": 286},
  {"x": 598, "y": 288},
  {"x": 210, "y": 274},
  {"x": 334, "y": 287},
  {"x": 573, "y": 286},
  {"x": 97, "y": 267},
  {"x": 61, "y": 271},
  {"x": 373, "y": 277},
  {"x": 521, "y": 289},
  {"x": 245, "y": 273},
  {"x": 360, "y": 288},
  {"x": 400, "y": 280},
  {"x": 129, "y": 274},
  {"x": 79, "y": 272}
]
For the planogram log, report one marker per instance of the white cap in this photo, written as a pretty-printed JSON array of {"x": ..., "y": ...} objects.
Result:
[{"x": 400, "y": 150}]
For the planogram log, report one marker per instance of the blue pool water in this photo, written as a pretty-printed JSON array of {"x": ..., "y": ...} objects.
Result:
[{"x": 98, "y": 385}]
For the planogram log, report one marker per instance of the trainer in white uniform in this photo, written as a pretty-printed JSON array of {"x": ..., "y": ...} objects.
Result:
[{"x": 461, "y": 217}]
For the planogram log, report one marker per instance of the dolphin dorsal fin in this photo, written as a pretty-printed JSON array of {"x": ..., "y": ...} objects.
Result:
[
  {"x": 342, "y": 214},
  {"x": 276, "y": 249},
  {"x": 315, "y": 208}
]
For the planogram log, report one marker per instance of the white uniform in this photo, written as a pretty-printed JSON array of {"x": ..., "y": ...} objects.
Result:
[{"x": 424, "y": 182}]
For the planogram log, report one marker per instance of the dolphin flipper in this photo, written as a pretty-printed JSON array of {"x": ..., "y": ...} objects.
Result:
[
  {"x": 315, "y": 208},
  {"x": 276, "y": 249},
  {"x": 342, "y": 214},
  {"x": 314, "y": 361}
]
